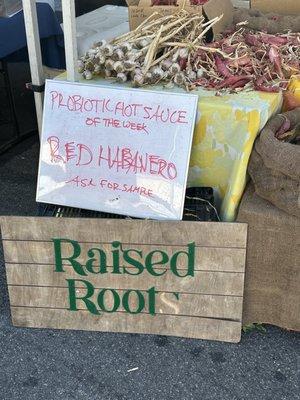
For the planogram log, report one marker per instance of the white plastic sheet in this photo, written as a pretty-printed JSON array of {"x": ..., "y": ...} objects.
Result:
[{"x": 124, "y": 151}]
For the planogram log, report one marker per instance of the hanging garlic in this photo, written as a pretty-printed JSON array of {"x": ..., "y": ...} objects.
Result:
[
  {"x": 143, "y": 43},
  {"x": 101, "y": 59},
  {"x": 138, "y": 80},
  {"x": 183, "y": 52},
  {"x": 107, "y": 73},
  {"x": 80, "y": 65},
  {"x": 200, "y": 73},
  {"x": 92, "y": 53},
  {"x": 133, "y": 55},
  {"x": 101, "y": 43},
  {"x": 118, "y": 66},
  {"x": 166, "y": 64},
  {"x": 175, "y": 56},
  {"x": 191, "y": 75},
  {"x": 175, "y": 68},
  {"x": 129, "y": 65},
  {"x": 108, "y": 50},
  {"x": 121, "y": 77},
  {"x": 117, "y": 55},
  {"x": 179, "y": 79},
  {"x": 88, "y": 75},
  {"x": 157, "y": 73},
  {"x": 97, "y": 69},
  {"x": 168, "y": 75},
  {"x": 148, "y": 77},
  {"x": 126, "y": 47},
  {"x": 109, "y": 64},
  {"x": 89, "y": 65},
  {"x": 137, "y": 71}
]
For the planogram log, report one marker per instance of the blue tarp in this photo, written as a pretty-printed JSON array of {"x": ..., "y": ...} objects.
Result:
[{"x": 13, "y": 46}]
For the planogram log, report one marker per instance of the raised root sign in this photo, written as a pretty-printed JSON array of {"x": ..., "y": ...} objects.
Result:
[{"x": 170, "y": 278}]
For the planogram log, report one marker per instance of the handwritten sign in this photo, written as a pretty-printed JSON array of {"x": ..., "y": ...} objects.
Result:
[{"x": 122, "y": 151}]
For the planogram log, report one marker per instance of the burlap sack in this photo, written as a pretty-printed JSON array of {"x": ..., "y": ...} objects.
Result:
[
  {"x": 275, "y": 166},
  {"x": 272, "y": 278}
]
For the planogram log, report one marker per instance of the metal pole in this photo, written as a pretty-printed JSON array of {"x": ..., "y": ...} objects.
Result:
[
  {"x": 69, "y": 21},
  {"x": 35, "y": 56}
]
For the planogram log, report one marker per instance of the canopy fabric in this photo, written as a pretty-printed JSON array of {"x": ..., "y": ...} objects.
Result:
[{"x": 13, "y": 45}]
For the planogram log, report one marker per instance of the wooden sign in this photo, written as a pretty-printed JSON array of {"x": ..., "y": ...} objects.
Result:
[
  {"x": 123, "y": 151},
  {"x": 167, "y": 278}
]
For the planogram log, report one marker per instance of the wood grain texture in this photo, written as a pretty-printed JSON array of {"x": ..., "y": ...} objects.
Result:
[
  {"x": 207, "y": 259},
  {"x": 190, "y": 327},
  {"x": 207, "y": 305},
  {"x": 203, "y": 282},
  {"x": 96, "y": 230},
  {"x": 166, "y": 303}
]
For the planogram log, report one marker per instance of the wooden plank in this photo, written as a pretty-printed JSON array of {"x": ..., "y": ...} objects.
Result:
[
  {"x": 205, "y": 234},
  {"x": 69, "y": 27},
  {"x": 207, "y": 305},
  {"x": 210, "y": 259},
  {"x": 191, "y": 327},
  {"x": 34, "y": 53},
  {"x": 219, "y": 283},
  {"x": 166, "y": 303}
]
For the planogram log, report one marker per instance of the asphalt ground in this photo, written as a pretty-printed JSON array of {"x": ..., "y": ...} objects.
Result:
[{"x": 53, "y": 364}]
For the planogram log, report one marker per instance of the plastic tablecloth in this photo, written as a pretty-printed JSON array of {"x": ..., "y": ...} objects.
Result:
[{"x": 225, "y": 131}]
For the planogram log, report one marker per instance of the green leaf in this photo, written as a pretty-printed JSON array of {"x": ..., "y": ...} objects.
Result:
[{"x": 254, "y": 327}]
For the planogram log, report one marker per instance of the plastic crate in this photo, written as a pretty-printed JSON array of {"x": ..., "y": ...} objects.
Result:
[{"x": 199, "y": 206}]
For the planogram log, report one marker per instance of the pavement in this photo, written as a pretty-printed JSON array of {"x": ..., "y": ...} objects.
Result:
[{"x": 61, "y": 365}]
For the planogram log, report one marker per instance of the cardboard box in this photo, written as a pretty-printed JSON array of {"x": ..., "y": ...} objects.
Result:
[
  {"x": 139, "y": 10},
  {"x": 286, "y": 7}
]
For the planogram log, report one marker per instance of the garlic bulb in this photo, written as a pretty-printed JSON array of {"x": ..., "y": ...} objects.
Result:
[
  {"x": 99, "y": 44},
  {"x": 191, "y": 75},
  {"x": 126, "y": 47},
  {"x": 109, "y": 64},
  {"x": 157, "y": 73},
  {"x": 88, "y": 75},
  {"x": 175, "y": 68},
  {"x": 118, "y": 66},
  {"x": 149, "y": 77},
  {"x": 179, "y": 79},
  {"x": 166, "y": 64},
  {"x": 138, "y": 80},
  {"x": 143, "y": 43},
  {"x": 108, "y": 50},
  {"x": 183, "y": 52},
  {"x": 101, "y": 59},
  {"x": 199, "y": 73},
  {"x": 117, "y": 55},
  {"x": 92, "y": 53},
  {"x": 97, "y": 69},
  {"x": 129, "y": 65},
  {"x": 121, "y": 77},
  {"x": 80, "y": 65}
]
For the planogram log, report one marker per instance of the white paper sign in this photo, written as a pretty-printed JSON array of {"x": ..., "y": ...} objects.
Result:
[{"x": 123, "y": 151}]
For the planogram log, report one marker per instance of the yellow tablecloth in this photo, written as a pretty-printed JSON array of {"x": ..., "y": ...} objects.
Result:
[{"x": 225, "y": 131}]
